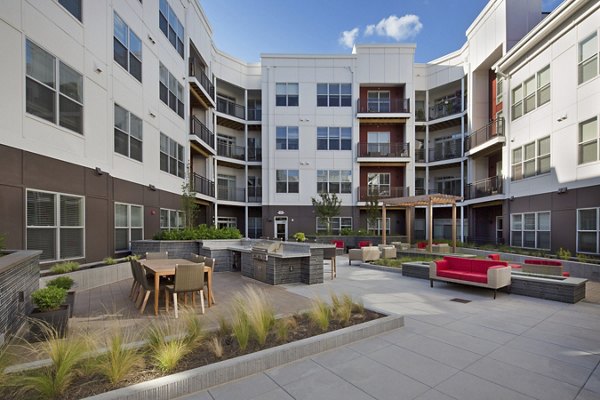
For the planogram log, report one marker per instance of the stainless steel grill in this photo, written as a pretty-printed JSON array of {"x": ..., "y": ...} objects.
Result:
[{"x": 260, "y": 256}]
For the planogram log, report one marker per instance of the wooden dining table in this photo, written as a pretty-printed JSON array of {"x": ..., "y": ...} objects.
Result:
[{"x": 166, "y": 267}]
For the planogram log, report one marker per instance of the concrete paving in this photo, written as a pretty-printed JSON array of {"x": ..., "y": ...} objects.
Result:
[{"x": 513, "y": 347}]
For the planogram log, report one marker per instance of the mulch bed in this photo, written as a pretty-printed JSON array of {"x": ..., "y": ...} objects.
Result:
[{"x": 89, "y": 385}]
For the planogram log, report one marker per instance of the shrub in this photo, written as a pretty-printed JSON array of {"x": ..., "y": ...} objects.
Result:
[
  {"x": 563, "y": 254},
  {"x": 241, "y": 327},
  {"x": 346, "y": 232},
  {"x": 259, "y": 313},
  {"x": 320, "y": 314},
  {"x": 202, "y": 232},
  {"x": 109, "y": 261},
  {"x": 119, "y": 361},
  {"x": 165, "y": 351},
  {"x": 216, "y": 347},
  {"x": 283, "y": 327},
  {"x": 224, "y": 326},
  {"x": 64, "y": 267},
  {"x": 300, "y": 237},
  {"x": 133, "y": 257},
  {"x": 342, "y": 309},
  {"x": 64, "y": 282},
  {"x": 582, "y": 257},
  {"x": 49, "y": 298},
  {"x": 194, "y": 332}
]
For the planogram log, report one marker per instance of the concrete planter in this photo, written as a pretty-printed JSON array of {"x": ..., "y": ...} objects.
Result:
[
  {"x": 90, "y": 278},
  {"x": 176, "y": 248},
  {"x": 56, "y": 319}
]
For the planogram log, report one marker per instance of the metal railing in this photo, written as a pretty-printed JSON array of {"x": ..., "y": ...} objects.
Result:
[
  {"x": 485, "y": 187},
  {"x": 448, "y": 187},
  {"x": 393, "y": 106},
  {"x": 445, "y": 150},
  {"x": 202, "y": 132},
  {"x": 255, "y": 194},
  {"x": 419, "y": 155},
  {"x": 254, "y": 154},
  {"x": 196, "y": 72},
  {"x": 389, "y": 150},
  {"x": 231, "y": 194},
  {"x": 367, "y": 193},
  {"x": 493, "y": 129},
  {"x": 254, "y": 114},
  {"x": 203, "y": 185},
  {"x": 231, "y": 151},
  {"x": 444, "y": 109},
  {"x": 230, "y": 108}
]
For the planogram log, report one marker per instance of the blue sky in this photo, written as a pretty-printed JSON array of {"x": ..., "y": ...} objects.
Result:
[{"x": 245, "y": 29}]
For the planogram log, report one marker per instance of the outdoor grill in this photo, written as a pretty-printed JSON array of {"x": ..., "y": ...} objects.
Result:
[{"x": 260, "y": 256}]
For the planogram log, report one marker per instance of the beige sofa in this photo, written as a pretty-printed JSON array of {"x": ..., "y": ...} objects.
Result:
[
  {"x": 364, "y": 254},
  {"x": 387, "y": 250},
  {"x": 401, "y": 246}
]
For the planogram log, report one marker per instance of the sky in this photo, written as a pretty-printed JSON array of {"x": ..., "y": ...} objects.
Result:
[{"x": 245, "y": 29}]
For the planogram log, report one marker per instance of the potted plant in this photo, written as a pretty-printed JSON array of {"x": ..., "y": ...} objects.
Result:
[
  {"x": 50, "y": 310},
  {"x": 300, "y": 237},
  {"x": 65, "y": 282}
]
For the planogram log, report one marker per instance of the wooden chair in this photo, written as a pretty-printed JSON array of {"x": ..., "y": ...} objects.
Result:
[
  {"x": 160, "y": 255},
  {"x": 195, "y": 258},
  {"x": 146, "y": 285},
  {"x": 135, "y": 284},
  {"x": 189, "y": 278},
  {"x": 209, "y": 262}
]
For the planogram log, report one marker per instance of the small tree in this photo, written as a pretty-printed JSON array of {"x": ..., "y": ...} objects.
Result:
[
  {"x": 188, "y": 200},
  {"x": 372, "y": 209},
  {"x": 329, "y": 206}
]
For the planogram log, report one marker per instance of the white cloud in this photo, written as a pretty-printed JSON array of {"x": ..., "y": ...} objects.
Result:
[
  {"x": 347, "y": 38},
  {"x": 405, "y": 27}
]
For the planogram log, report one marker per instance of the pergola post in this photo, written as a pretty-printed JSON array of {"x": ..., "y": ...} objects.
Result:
[
  {"x": 408, "y": 224},
  {"x": 383, "y": 224},
  {"x": 430, "y": 224},
  {"x": 454, "y": 227}
]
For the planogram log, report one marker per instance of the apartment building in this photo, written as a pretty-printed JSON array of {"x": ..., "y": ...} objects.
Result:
[{"x": 108, "y": 108}]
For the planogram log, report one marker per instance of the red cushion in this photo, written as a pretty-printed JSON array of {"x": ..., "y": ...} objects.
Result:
[
  {"x": 421, "y": 245},
  {"x": 495, "y": 257},
  {"x": 566, "y": 274},
  {"x": 364, "y": 243},
  {"x": 543, "y": 262},
  {"x": 481, "y": 266},
  {"x": 338, "y": 243},
  {"x": 465, "y": 276}
]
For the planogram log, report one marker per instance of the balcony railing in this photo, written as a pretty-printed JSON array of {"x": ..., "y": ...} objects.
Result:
[
  {"x": 485, "y": 187},
  {"x": 255, "y": 194},
  {"x": 445, "y": 150},
  {"x": 444, "y": 109},
  {"x": 202, "y": 132},
  {"x": 448, "y": 187},
  {"x": 388, "y": 150},
  {"x": 368, "y": 193},
  {"x": 419, "y": 191},
  {"x": 254, "y": 154},
  {"x": 230, "y": 108},
  {"x": 419, "y": 155},
  {"x": 231, "y": 194},
  {"x": 231, "y": 151},
  {"x": 203, "y": 185},
  {"x": 196, "y": 71},
  {"x": 393, "y": 106},
  {"x": 491, "y": 130},
  {"x": 254, "y": 114}
]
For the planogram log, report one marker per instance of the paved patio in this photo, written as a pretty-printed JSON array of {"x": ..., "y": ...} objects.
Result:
[{"x": 514, "y": 347}]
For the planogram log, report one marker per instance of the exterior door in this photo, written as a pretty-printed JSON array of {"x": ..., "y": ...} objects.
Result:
[{"x": 281, "y": 228}]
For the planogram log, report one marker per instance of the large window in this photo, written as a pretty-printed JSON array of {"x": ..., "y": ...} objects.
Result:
[
  {"x": 543, "y": 86},
  {"x": 172, "y": 156},
  {"x": 531, "y": 159},
  {"x": 334, "y": 181},
  {"x": 334, "y": 138},
  {"x": 129, "y": 225},
  {"x": 171, "y": 26},
  {"x": 226, "y": 222},
  {"x": 286, "y": 94},
  {"x": 588, "y": 58},
  {"x": 288, "y": 181},
  {"x": 534, "y": 92},
  {"x": 530, "y": 230},
  {"x": 72, "y": 6},
  {"x": 254, "y": 227},
  {"x": 171, "y": 91},
  {"x": 378, "y": 184},
  {"x": 378, "y": 101},
  {"x": 54, "y": 91},
  {"x": 286, "y": 138},
  {"x": 588, "y": 230},
  {"x": 55, "y": 224},
  {"x": 128, "y": 134},
  {"x": 378, "y": 143},
  {"x": 588, "y": 141},
  {"x": 517, "y": 102},
  {"x": 499, "y": 89},
  {"x": 334, "y": 95},
  {"x": 337, "y": 224},
  {"x": 377, "y": 226},
  {"x": 171, "y": 219},
  {"x": 127, "y": 48}
]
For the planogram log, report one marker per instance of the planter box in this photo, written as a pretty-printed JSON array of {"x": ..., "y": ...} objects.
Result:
[
  {"x": 57, "y": 319},
  {"x": 90, "y": 278},
  {"x": 417, "y": 269},
  {"x": 566, "y": 290},
  {"x": 70, "y": 301}
]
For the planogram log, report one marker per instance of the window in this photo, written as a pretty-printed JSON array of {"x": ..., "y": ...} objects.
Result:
[
  {"x": 517, "y": 102},
  {"x": 588, "y": 230},
  {"x": 529, "y": 88},
  {"x": 254, "y": 110},
  {"x": 171, "y": 26},
  {"x": 378, "y": 143},
  {"x": 288, "y": 181},
  {"x": 531, "y": 160},
  {"x": 51, "y": 82},
  {"x": 286, "y": 94},
  {"x": 378, "y": 184},
  {"x": 377, "y": 226},
  {"x": 535, "y": 91},
  {"x": 171, "y": 219},
  {"x": 588, "y": 58},
  {"x": 171, "y": 91},
  {"x": 254, "y": 227},
  {"x": 334, "y": 181},
  {"x": 127, "y": 48},
  {"x": 226, "y": 222},
  {"x": 588, "y": 141},
  {"x": 334, "y": 138},
  {"x": 172, "y": 156},
  {"x": 128, "y": 134},
  {"x": 55, "y": 224},
  {"x": 337, "y": 224},
  {"x": 543, "y": 86},
  {"x": 72, "y": 6},
  {"x": 334, "y": 95},
  {"x": 129, "y": 225},
  {"x": 499, "y": 89},
  {"x": 286, "y": 138},
  {"x": 378, "y": 101},
  {"x": 530, "y": 230}
]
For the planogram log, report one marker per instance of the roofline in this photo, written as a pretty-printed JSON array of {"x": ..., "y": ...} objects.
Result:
[
  {"x": 298, "y": 55},
  {"x": 481, "y": 16}
]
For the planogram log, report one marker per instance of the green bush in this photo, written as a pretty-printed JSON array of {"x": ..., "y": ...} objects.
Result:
[
  {"x": 109, "y": 261},
  {"x": 64, "y": 267},
  {"x": 563, "y": 254},
  {"x": 299, "y": 236},
  {"x": 63, "y": 282},
  {"x": 202, "y": 232},
  {"x": 49, "y": 298}
]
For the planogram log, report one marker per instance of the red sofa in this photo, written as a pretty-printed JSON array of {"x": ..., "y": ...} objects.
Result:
[{"x": 484, "y": 273}]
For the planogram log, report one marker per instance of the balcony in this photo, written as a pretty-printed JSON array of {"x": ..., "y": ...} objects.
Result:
[
  {"x": 393, "y": 108},
  {"x": 255, "y": 194},
  {"x": 227, "y": 193},
  {"x": 231, "y": 151},
  {"x": 201, "y": 84},
  {"x": 366, "y": 193},
  {"x": 383, "y": 150},
  {"x": 254, "y": 154},
  {"x": 200, "y": 130},
  {"x": 483, "y": 188},
  {"x": 229, "y": 107},
  {"x": 203, "y": 185},
  {"x": 486, "y": 137},
  {"x": 446, "y": 150},
  {"x": 451, "y": 187},
  {"x": 419, "y": 155},
  {"x": 444, "y": 109},
  {"x": 254, "y": 114}
]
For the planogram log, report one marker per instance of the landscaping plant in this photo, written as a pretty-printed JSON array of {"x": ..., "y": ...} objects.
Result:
[
  {"x": 240, "y": 327},
  {"x": 165, "y": 350},
  {"x": 49, "y": 298},
  {"x": 320, "y": 314},
  {"x": 64, "y": 267},
  {"x": 259, "y": 312},
  {"x": 216, "y": 346},
  {"x": 63, "y": 282},
  {"x": 120, "y": 360},
  {"x": 109, "y": 261}
]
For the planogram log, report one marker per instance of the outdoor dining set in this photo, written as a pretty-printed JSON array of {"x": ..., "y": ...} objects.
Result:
[{"x": 158, "y": 273}]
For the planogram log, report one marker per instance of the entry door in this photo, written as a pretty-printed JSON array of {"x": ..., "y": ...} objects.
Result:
[{"x": 281, "y": 228}]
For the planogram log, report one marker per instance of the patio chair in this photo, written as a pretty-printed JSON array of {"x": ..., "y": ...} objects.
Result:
[
  {"x": 209, "y": 262},
  {"x": 189, "y": 278},
  {"x": 146, "y": 285},
  {"x": 160, "y": 255},
  {"x": 134, "y": 284},
  {"x": 195, "y": 258}
]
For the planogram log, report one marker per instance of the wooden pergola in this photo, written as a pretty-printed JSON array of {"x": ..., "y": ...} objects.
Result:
[{"x": 427, "y": 200}]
